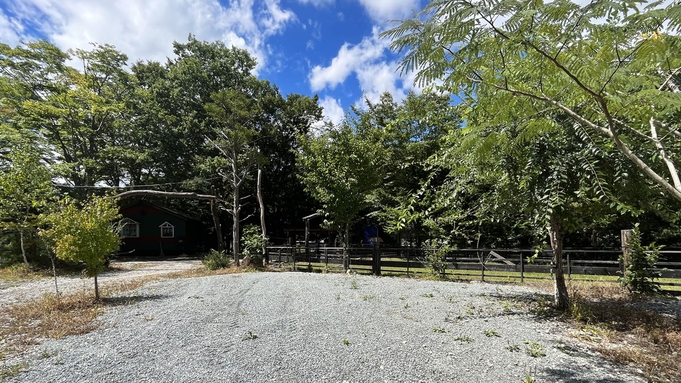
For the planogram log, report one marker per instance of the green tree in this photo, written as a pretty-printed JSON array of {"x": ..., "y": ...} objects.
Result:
[
  {"x": 235, "y": 135},
  {"x": 84, "y": 234},
  {"x": 612, "y": 67},
  {"x": 26, "y": 189},
  {"x": 341, "y": 168}
]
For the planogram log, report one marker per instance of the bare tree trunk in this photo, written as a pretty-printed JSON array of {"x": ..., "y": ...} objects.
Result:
[
  {"x": 54, "y": 273},
  {"x": 216, "y": 221},
  {"x": 96, "y": 289},
  {"x": 236, "y": 209},
  {"x": 262, "y": 211},
  {"x": 346, "y": 247},
  {"x": 562, "y": 298},
  {"x": 23, "y": 249}
]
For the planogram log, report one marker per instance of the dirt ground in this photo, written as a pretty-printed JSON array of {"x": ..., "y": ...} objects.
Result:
[{"x": 119, "y": 271}]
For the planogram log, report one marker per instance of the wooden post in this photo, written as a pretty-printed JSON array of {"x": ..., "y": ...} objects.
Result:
[
  {"x": 626, "y": 235},
  {"x": 408, "y": 253},
  {"x": 569, "y": 266},
  {"x": 376, "y": 264},
  {"x": 482, "y": 268},
  {"x": 522, "y": 268}
]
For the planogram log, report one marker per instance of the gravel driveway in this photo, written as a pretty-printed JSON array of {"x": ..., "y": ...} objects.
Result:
[{"x": 295, "y": 327}]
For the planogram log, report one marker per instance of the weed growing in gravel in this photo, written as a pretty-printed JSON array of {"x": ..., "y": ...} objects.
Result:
[
  {"x": 464, "y": 339},
  {"x": 338, "y": 297},
  {"x": 506, "y": 306},
  {"x": 513, "y": 348},
  {"x": 534, "y": 349},
  {"x": 47, "y": 354},
  {"x": 12, "y": 371},
  {"x": 354, "y": 285},
  {"x": 428, "y": 295},
  {"x": 346, "y": 342},
  {"x": 368, "y": 297},
  {"x": 491, "y": 333},
  {"x": 250, "y": 336},
  {"x": 529, "y": 379},
  {"x": 440, "y": 330},
  {"x": 401, "y": 297},
  {"x": 406, "y": 305}
]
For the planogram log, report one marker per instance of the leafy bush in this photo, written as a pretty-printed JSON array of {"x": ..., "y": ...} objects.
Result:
[
  {"x": 435, "y": 258},
  {"x": 253, "y": 241},
  {"x": 216, "y": 260},
  {"x": 639, "y": 273}
]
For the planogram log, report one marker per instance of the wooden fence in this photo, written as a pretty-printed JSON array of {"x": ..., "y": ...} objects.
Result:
[{"x": 523, "y": 263}]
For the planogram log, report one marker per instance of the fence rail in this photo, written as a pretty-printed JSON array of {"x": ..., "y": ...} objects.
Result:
[{"x": 523, "y": 263}]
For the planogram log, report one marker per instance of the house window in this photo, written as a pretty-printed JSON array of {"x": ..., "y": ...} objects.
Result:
[
  {"x": 129, "y": 228},
  {"x": 167, "y": 230}
]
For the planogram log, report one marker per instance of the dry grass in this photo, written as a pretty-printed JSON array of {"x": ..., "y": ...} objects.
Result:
[{"x": 624, "y": 329}]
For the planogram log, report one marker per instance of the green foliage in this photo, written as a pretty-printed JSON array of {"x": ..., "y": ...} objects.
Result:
[
  {"x": 435, "y": 257},
  {"x": 215, "y": 260},
  {"x": 640, "y": 273},
  {"x": 84, "y": 234},
  {"x": 611, "y": 68},
  {"x": 253, "y": 240}
]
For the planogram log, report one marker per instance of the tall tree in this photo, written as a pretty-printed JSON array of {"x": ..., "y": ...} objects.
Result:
[
  {"x": 234, "y": 114},
  {"x": 25, "y": 191},
  {"x": 612, "y": 67},
  {"x": 341, "y": 168}
]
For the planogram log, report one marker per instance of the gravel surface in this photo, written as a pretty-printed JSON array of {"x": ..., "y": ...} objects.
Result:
[
  {"x": 18, "y": 291},
  {"x": 295, "y": 327}
]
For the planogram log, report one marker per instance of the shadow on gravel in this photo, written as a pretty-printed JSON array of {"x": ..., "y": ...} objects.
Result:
[
  {"x": 131, "y": 299},
  {"x": 569, "y": 375}
]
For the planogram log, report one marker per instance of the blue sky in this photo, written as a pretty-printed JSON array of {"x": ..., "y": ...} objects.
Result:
[{"x": 325, "y": 47}]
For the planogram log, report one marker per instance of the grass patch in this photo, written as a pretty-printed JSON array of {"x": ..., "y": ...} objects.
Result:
[
  {"x": 619, "y": 327},
  {"x": 12, "y": 371}
]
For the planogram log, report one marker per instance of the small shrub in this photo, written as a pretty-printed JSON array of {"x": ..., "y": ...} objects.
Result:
[
  {"x": 435, "y": 258},
  {"x": 216, "y": 260},
  {"x": 253, "y": 241},
  {"x": 640, "y": 274}
]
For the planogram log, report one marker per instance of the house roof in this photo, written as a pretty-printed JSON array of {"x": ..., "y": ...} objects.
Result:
[{"x": 162, "y": 208}]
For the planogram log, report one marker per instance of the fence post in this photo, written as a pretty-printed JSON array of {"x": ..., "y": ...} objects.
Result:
[
  {"x": 293, "y": 255},
  {"x": 569, "y": 266},
  {"x": 279, "y": 255},
  {"x": 482, "y": 268},
  {"x": 408, "y": 253},
  {"x": 326, "y": 255},
  {"x": 626, "y": 234},
  {"x": 522, "y": 268}
]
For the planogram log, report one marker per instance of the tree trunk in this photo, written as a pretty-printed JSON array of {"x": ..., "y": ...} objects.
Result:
[
  {"x": 262, "y": 211},
  {"x": 346, "y": 247},
  {"x": 96, "y": 289},
  {"x": 216, "y": 221},
  {"x": 23, "y": 249},
  {"x": 562, "y": 299},
  {"x": 236, "y": 209},
  {"x": 54, "y": 273}
]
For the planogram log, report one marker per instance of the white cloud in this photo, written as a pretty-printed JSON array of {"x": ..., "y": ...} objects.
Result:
[
  {"x": 145, "y": 30},
  {"x": 317, "y": 3},
  {"x": 333, "y": 112},
  {"x": 385, "y": 10},
  {"x": 9, "y": 30},
  {"x": 368, "y": 62},
  {"x": 348, "y": 60}
]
